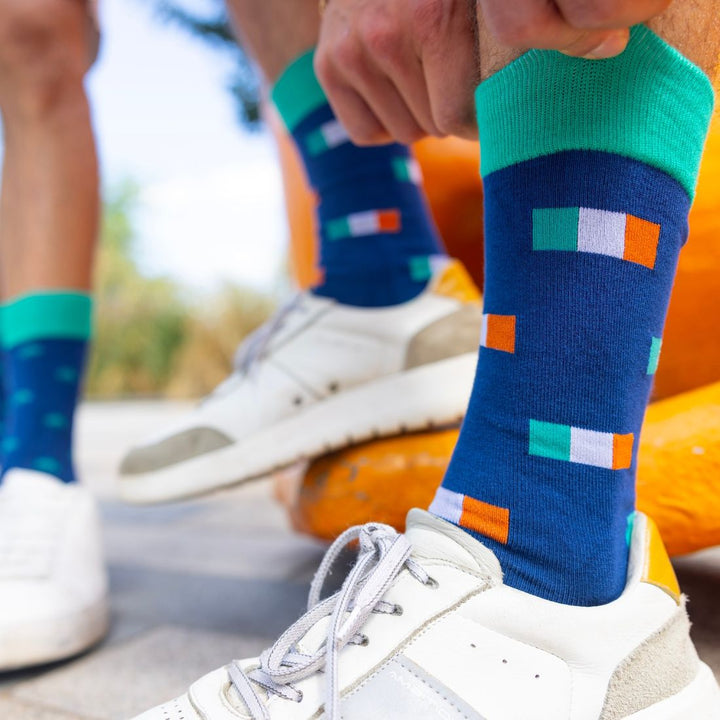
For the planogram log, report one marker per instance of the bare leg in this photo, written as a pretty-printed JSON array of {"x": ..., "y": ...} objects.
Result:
[
  {"x": 274, "y": 33},
  {"x": 687, "y": 25},
  {"x": 49, "y": 204}
]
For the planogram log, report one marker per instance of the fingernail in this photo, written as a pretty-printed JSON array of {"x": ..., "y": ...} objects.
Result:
[{"x": 612, "y": 45}]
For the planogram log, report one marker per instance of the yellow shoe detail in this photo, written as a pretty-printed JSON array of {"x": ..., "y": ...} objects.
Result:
[
  {"x": 657, "y": 569},
  {"x": 455, "y": 282}
]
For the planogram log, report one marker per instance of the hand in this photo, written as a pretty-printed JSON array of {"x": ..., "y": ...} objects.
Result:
[
  {"x": 585, "y": 28},
  {"x": 400, "y": 69}
]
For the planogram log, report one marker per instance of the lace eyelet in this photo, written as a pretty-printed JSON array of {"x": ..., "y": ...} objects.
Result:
[
  {"x": 432, "y": 583},
  {"x": 365, "y": 641},
  {"x": 299, "y": 697},
  {"x": 398, "y": 610}
]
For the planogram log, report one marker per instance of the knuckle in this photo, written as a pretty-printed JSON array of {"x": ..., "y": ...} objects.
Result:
[
  {"x": 429, "y": 17},
  {"x": 381, "y": 39},
  {"x": 348, "y": 53}
]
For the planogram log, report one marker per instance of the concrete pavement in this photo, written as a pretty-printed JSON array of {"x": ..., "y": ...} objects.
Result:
[{"x": 196, "y": 584}]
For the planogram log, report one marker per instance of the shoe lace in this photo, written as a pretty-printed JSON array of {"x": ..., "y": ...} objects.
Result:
[
  {"x": 28, "y": 533},
  {"x": 383, "y": 554},
  {"x": 254, "y": 346}
]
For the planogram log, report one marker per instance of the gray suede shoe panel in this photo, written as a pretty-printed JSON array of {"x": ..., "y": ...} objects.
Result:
[
  {"x": 658, "y": 669},
  {"x": 175, "y": 449},
  {"x": 454, "y": 334},
  {"x": 401, "y": 690}
]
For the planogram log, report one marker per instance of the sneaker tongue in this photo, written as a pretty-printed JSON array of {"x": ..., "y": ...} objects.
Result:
[{"x": 432, "y": 537}]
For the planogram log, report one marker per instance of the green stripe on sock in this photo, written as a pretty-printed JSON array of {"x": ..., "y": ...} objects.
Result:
[
  {"x": 550, "y": 440},
  {"x": 337, "y": 229},
  {"x": 420, "y": 268},
  {"x": 64, "y": 315},
  {"x": 556, "y": 229},
  {"x": 401, "y": 169},
  {"x": 654, "y": 356},
  {"x": 297, "y": 92},
  {"x": 315, "y": 143},
  {"x": 650, "y": 104}
]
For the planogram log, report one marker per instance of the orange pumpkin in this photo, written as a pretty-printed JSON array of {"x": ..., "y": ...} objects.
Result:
[
  {"x": 380, "y": 480},
  {"x": 680, "y": 448}
]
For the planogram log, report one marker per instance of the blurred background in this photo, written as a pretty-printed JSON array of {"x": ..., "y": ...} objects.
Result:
[{"x": 194, "y": 235}]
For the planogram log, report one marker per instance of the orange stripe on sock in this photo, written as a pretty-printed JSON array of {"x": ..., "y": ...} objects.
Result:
[
  {"x": 641, "y": 241},
  {"x": 389, "y": 220},
  {"x": 488, "y": 520},
  {"x": 501, "y": 332},
  {"x": 622, "y": 451}
]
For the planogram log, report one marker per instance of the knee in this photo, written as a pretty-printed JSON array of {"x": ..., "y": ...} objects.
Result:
[{"x": 43, "y": 54}]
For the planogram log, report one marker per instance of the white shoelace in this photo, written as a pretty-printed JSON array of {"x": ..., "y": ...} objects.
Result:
[
  {"x": 254, "y": 346},
  {"x": 383, "y": 554}
]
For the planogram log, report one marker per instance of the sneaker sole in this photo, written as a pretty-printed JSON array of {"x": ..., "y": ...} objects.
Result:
[
  {"x": 428, "y": 396},
  {"x": 700, "y": 700},
  {"x": 61, "y": 638}
]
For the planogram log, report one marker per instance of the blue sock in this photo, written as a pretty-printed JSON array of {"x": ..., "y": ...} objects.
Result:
[
  {"x": 44, "y": 339},
  {"x": 587, "y": 193},
  {"x": 375, "y": 230}
]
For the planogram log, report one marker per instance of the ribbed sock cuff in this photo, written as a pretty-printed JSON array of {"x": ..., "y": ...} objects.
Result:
[
  {"x": 297, "y": 92},
  {"x": 650, "y": 103},
  {"x": 52, "y": 314}
]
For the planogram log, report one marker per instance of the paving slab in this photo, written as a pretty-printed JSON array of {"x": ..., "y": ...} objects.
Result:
[
  {"x": 123, "y": 681},
  {"x": 196, "y": 584}
]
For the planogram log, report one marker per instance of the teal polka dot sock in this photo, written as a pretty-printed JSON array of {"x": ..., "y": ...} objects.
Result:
[{"x": 44, "y": 339}]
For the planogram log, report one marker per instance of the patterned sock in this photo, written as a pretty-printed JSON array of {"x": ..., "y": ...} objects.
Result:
[
  {"x": 587, "y": 192},
  {"x": 376, "y": 235},
  {"x": 44, "y": 339}
]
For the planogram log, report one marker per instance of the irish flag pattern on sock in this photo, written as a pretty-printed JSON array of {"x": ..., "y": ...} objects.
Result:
[
  {"x": 407, "y": 170},
  {"x": 369, "y": 222},
  {"x": 423, "y": 267},
  {"x": 612, "y": 451},
  {"x": 498, "y": 332},
  {"x": 328, "y": 136},
  {"x": 600, "y": 232},
  {"x": 486, "y": 519}
]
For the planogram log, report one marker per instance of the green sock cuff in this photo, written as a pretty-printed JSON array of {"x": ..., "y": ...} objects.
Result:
[
  {"x": 59, "y": 314},
  {"x": 650, "y": 103},
  {"x": 297, "y": 92}
]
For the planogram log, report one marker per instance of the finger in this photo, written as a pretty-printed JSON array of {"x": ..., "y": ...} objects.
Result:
[
  {"x": 404, "y": 70},
  {"x": 526, "y": 24},
  {"x": 354, "y": 114},
  {"x": 451, "y": 52},
  {"x": 609, "y": 14},
  {"x": 383, "y": 98}
]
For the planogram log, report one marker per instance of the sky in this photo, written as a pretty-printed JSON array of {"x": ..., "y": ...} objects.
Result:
[{"x": 210, "y": 205}]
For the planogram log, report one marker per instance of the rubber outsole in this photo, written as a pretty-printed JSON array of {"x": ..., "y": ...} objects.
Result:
[{"x": 432, "y": 395}]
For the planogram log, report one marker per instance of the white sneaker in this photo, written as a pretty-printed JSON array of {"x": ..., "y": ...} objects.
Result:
[
  {"x": 424, "y": 628},
  {"x": 53, "y": 588},
  {"x": 317, "y": 377}
]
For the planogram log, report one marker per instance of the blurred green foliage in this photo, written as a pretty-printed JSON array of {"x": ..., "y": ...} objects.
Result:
[{"x": 152, "y": 337}]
